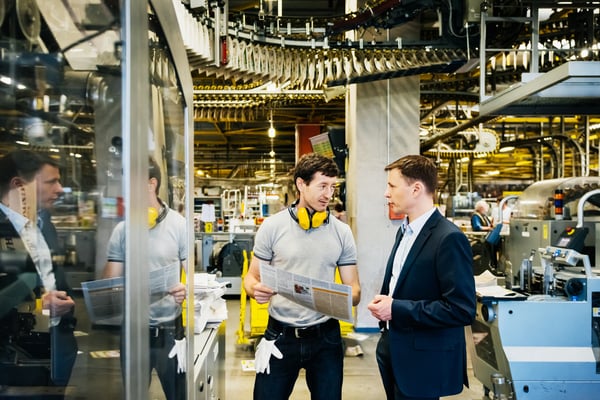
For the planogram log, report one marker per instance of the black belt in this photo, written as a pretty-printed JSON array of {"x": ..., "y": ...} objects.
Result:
[
  {"x": 157, "y": 330},
  {"x": 303, "y": 332}
]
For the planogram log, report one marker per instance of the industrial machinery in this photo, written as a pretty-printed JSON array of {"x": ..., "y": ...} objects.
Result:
[
  {"x": 541, "y": 339},
  {"x": 535, "y": 223},
  {"x": 221, "y": 253}
]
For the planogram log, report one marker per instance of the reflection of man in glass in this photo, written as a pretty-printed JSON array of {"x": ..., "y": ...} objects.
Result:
[
  {"x": 49, "y": 190},
  {"x": 20, "y": 175},
  {"x": 167, "y": 240}
]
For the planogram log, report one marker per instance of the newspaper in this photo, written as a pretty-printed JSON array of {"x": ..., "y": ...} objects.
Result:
[
  {"x": 163, "y": 279},
  {"x": 104, "y": 297},
  {"x": 329, "y": 298}
]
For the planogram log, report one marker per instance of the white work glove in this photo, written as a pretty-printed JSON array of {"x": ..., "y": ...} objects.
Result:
[
  {"x": 264, "y": 351},
  {"x": 179, "y": 349}
]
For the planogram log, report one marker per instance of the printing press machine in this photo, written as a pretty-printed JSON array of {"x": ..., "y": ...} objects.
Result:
[{"x": 539, "y": 338}]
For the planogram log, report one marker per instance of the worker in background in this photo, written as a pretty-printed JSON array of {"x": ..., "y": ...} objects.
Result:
[
  {"x": 305, "y": 240},
  {"x": 25, "y": 175},
  {"x": 167, "y": 241},
  {"x": 428, "y": 291},
  {"x": 480, "y": 221},
  {"x": 506, "y": 212},
  {"x": 339, "y": 212}
]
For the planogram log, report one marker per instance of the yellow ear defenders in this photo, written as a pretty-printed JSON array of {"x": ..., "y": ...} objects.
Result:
[
  {"x": 307, "y": 220},
  {"x": 155, "y": 217}
]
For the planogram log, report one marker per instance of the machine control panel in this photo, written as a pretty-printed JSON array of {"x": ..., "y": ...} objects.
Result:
[
  {"x": 561, "y": 255},
  {"x": 572, "y": 238}
]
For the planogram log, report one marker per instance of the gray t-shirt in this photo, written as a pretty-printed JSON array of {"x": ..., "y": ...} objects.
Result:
[
  {"x": 166, "y": 245},
  {"x": 316, "y": 253}
]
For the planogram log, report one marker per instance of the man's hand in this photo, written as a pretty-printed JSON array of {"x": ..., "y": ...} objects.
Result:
[
  {"x": 57, "y": 302},
  {"x": 178, "y": 292},
  {"x": 262, "y": 293},
  {"x": 381, "y": 307}
]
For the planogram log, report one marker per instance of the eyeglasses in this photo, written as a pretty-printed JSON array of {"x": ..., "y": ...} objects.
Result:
[{"x": 326, "y": 188}]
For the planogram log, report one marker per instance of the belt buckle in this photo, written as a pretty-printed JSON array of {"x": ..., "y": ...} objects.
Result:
[
  {"x": 307, "y": 331},
  {"x": 154, "y": 331},
  {"x": 297, "y": 332}
]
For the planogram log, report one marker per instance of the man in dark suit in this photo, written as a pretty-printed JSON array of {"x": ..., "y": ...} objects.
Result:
[
  {"x": 25, "y": 176},
  {"x": 428, "y": 291}
]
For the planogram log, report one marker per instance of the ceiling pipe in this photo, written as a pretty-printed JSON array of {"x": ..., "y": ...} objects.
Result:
[{"x": 541, "y": 142}]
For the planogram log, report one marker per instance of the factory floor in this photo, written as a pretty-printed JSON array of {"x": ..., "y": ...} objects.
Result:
[{"x": 361, "y": 375}]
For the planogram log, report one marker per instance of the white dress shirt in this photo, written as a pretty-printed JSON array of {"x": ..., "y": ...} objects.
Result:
[
  {"x": 36, "y": 246},
  {"x": 411, "y": 231}
]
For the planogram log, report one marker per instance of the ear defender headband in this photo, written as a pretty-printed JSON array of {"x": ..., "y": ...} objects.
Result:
[
  {"x": 307, "y": 220},
  {"x": 155, "y": 217}
]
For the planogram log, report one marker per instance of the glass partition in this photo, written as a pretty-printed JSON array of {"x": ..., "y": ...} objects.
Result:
[{"x": 94, "y": 182}]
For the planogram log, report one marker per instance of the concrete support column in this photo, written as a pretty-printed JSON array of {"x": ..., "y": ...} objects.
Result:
[{"x": 382, "y": 125}]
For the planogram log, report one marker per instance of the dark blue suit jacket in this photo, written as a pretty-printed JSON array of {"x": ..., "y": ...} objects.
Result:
[
  {"x": 63, "y": 346},
  {"x": 434, "y": 299}
]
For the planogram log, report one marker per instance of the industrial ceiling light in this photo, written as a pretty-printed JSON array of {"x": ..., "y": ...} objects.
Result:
[{"x": 271, "y": 132}]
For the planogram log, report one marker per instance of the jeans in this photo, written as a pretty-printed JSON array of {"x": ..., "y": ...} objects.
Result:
[
  {"x": 172, "y": 382},
  {"x": 322, "y": 356}
]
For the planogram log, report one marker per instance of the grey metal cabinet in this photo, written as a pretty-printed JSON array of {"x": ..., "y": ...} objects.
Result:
[{"x": 209, "y": 364}]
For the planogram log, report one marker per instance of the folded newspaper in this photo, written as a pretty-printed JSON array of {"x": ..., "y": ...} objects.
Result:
[
  {"x": 104, "y": 297},
  {"x": 329, "y": 298}
]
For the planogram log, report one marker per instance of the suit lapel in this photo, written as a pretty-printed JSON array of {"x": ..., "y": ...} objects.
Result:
[
  {"x": 390, "y": 263},
  {"x": 417, "y": 247}
]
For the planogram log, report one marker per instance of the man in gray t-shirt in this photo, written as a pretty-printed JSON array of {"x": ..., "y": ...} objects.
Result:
[{"x": 305, "y": 240}]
